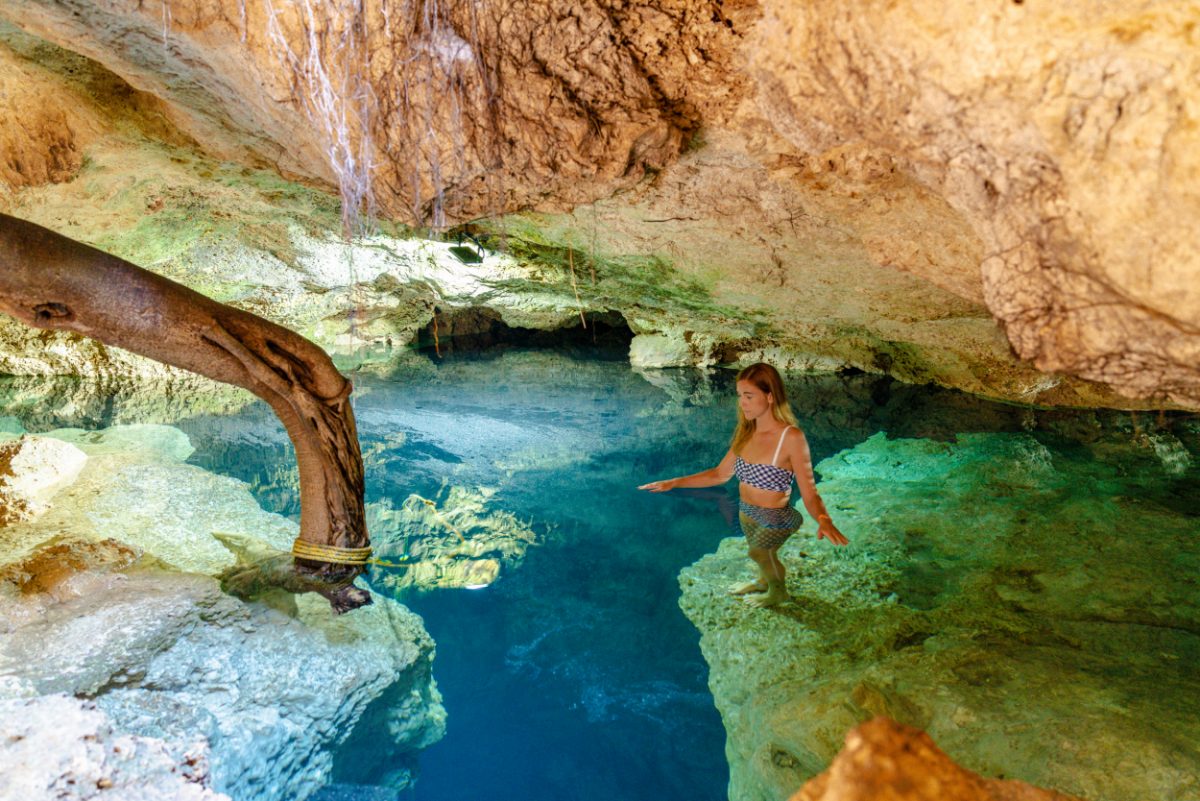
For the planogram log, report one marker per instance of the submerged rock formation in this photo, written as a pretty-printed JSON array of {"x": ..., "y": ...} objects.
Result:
[
  {"x": 983, "y": 575},
  {"x": 110, "y": 596},
  {"x": 455, "y": 542},
  {"x": 875, "y": 186}
]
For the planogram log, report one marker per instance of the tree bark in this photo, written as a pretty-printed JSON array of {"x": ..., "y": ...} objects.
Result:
[{"x": 51, "y": 282}]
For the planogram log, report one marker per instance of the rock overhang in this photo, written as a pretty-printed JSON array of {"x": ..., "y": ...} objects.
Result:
[{"x": 908, "y": 173}]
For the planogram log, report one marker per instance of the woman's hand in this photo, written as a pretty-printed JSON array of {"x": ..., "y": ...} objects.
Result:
[
  {"x": 660, "y": 486},
  {"x": 826, "y": 529}
]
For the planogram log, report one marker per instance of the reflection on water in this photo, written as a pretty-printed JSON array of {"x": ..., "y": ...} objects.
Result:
[{"x": 575, "y": 675}]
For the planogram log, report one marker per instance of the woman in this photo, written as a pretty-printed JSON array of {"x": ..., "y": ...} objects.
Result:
[{"x": 767, "y": 452}]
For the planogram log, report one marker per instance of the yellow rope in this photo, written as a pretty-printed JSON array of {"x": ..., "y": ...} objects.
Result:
[{"x": 318, "y": 552}]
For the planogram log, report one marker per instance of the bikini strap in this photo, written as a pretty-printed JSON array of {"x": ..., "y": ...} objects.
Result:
[{"x": 779, "y": 447}]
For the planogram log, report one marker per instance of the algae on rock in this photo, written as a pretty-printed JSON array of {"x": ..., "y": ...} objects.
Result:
[{"x": 1009, "y": 601}]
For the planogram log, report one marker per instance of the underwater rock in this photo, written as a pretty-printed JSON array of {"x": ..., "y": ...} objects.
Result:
[
  {"x": 66, "y": 749},
  {"x": 453, "y": 542},
  {"x": 32, "y": 470},
  {"x": 49, "y": 402},
  {"x": 1010, "y": 603},
  {"x": 886, "y": 760},
  {"x": 137, "y": 489},
  {"x": 97, "y": 603},
  {"x": 683, "y": 387}
]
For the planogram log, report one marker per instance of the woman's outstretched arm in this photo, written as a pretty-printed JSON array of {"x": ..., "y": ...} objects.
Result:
[
  {"x": 797, "y": 450},
  {"x": 705, "y": 478}
]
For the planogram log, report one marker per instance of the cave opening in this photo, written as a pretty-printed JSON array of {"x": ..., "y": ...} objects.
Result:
[{"x": 482, "y": 331}]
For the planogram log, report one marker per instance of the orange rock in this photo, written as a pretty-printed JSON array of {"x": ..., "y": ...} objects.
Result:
[{"x": 886, "y": 761}]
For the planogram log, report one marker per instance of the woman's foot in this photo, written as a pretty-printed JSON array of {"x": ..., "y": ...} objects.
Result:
[
  {"x": 776, "y": 594},
  {"x": 753, "y": 587}
]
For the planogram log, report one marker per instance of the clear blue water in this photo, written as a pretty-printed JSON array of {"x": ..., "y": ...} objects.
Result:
[{"x": 575, "y": 676}]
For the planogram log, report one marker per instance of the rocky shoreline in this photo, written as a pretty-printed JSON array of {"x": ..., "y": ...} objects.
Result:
[
  {"x": 1028, "y": 627},
  {"x": 116, "y": 628}
]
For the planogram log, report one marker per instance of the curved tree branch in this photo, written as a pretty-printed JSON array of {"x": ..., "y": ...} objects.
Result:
[{"x": 49, "y": 281}]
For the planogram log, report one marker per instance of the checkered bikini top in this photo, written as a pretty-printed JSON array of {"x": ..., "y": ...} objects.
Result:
[{"x": 765, "y": 476}]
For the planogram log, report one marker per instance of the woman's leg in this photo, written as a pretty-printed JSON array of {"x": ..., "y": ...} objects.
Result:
[
  {"x": 755, "y": 586},
  {"x": 747, "y": 527},
  {"x": 773, "y": 573}
]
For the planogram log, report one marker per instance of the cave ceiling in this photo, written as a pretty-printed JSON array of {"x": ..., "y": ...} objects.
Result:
[{"x": 1009, "y": 189}]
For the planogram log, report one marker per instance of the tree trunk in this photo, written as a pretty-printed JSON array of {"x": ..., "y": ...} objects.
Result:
[{"x": 51, "y": 282}]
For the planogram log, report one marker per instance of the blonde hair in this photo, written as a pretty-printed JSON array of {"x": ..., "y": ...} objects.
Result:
[{"x": 766, "y": 378}]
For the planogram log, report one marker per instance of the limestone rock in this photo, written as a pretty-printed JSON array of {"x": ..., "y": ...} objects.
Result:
[
  {"x": 659, "y": 350},
  {"x": 32, "y": 470},
  {"x": 970, "y": 604},
  {"x": 66, "y": 749},
  {"x": 455, "y": 541},
  {"x": 878, "y": 187},
  {"x": 1051, "y": 136},
  {"x": 96, "y": 603},
  {"x": 138, "y": 490},
  {"x": 47, "y": 147},
  {"x": 886, "y": 761}
]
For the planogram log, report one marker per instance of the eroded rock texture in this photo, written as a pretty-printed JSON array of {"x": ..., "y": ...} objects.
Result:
[
  {"x": 972, "y": 605},
  {"x": 455, "y": 109},
  {"x": 116, "y": 638},
  {"x": 1037, "y": 161},
  {"x": 1066, "y": 141}
]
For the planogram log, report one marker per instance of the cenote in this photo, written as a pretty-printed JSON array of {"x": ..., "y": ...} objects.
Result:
[{"x": 984, "y": 538}]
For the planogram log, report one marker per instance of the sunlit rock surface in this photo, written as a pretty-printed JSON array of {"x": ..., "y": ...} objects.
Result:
[
  {"x": 110, "y": 596},
  {"x": 1009, "y": 603},
  {"x": 66, "y": 748},
  {"x": 885, "y": 760},
  {"x": 32, "y": 469},
  {"x": 1065, "y": 143},
  {"x": 876, "y": 186}
]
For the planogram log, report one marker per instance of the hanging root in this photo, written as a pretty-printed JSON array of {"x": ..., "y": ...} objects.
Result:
[{"x": 48, "y": 281}]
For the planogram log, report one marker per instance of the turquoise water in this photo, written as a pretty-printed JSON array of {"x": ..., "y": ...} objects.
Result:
[{"x": 575, "y": 675}]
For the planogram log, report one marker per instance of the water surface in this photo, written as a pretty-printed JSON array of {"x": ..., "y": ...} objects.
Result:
[{"x": 575, "y": 675}]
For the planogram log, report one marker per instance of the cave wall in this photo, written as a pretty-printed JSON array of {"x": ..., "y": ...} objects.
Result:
[{"x": 1035, "y": 163}]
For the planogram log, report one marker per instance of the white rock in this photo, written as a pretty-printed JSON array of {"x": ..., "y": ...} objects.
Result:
[
  {"x": 272, "y": 689},
  {"x": 58, "y": 748},
  {"x": 32, "y": 471},
  {"x": 660, "y": 350}
]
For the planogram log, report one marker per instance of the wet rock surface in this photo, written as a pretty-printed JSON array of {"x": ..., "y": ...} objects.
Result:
[
  {"x": 453, "y": 542},
  {"x": 1010, "y": 602},
  {"x": 66, "y": 748},
  {"x": 124, "y": 611},
  {"x": 32, "y": 469}
]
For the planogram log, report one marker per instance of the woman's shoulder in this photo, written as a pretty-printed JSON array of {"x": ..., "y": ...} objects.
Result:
[{"x": 794, "y": 435}]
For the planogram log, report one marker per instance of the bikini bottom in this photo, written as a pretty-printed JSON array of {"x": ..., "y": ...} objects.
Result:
[{"x": 768, "y": 528}]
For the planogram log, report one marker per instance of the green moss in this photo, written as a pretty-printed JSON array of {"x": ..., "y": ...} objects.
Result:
[
  {"x": 629, "y": 282},
  {"x": 194, "y": 202},
  {"x": 695, "y": 142}
]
